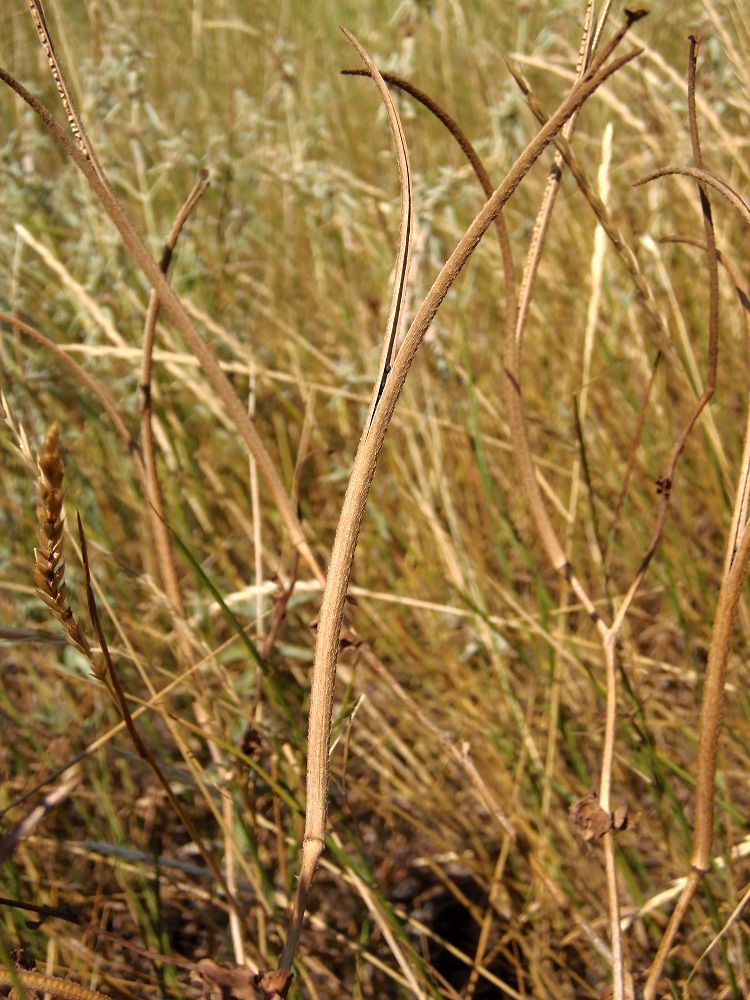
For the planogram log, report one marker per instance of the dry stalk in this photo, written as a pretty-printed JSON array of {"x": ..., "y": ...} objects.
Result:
[
  {"x": 735, "y": 568},
  {"x": 342, "y": 555},
  {"x": 386, "y": 396},
  {"x": 398, "y": 295},
  {"x": 151, "y": 485},
  {"x": 587, "y": 65},
  {"x": 74, "y": 122},
  {"x": 706, "y": 177},
  {"x": 544, "y": 214},
  {"x": 603, "y": 215},
  {"x": 159, "y": 529},
  {"x": 709, "y": 727},
  {"x": 581, "y": 470},
  {"x": 81, "y": 377}
]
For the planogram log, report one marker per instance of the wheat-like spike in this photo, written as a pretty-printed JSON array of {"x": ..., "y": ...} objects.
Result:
[
  {"x": 53, "y": 985},
  {"x": 49, "y": 568}
]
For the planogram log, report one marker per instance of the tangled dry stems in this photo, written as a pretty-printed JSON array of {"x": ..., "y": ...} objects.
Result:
[{"x": 49, "y": 572}]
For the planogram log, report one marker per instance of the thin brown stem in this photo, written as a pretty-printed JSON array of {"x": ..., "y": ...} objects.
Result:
[
  {"x": 632, "y": 453},
  {"x": 81, "y": 377},
  {"x": 403, "y": 256},
  {"x": 74, "y": 121},
  {"x": 154, "y": 497},
  {"x": 706, "y": 177},
  {"x": 603, "y": 215},
  {"x": 709, "y": 725},
  {"x": 665, "y": 482},
  {"x": 475, "y": 161},
  {"x": 527, "y": 475},
  {"x": 544, "y": 214}
]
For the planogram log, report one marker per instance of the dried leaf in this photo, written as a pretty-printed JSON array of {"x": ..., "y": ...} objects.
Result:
[
  {"x": 620, "y": 818},
  {"x": 272, "y": 985},
  {"x": 590, "y": 818},
  {"x": 221, "y": 983}
]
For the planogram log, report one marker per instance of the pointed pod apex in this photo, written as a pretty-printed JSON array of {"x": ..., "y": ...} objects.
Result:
[{"x": 635, "y": 14}]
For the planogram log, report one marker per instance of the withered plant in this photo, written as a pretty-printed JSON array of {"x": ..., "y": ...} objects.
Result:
[{"x": 262, "y": 834}]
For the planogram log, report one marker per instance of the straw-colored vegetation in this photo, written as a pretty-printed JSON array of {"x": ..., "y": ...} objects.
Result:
[{"x": 540, "y": 726}]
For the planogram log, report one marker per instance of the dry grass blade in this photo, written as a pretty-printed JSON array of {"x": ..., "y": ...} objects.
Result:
[
  {"x": 79, "y": 374},
  {"x": 20, "y": 441},
  {"x": 49, "y": 560},
  {"x": 731, "y": 921}
]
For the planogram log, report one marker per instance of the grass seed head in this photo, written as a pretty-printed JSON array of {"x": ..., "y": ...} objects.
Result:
[{"x": 49, "y": 568}]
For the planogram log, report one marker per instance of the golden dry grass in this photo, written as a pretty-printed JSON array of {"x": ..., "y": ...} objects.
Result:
[{"x": 469, "y": 718}]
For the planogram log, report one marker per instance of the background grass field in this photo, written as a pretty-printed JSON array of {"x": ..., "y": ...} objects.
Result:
[{"x": 479, "y": 651}]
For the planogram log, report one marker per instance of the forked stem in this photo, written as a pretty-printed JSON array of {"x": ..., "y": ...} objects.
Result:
[{"x": 363, "y": 470}]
